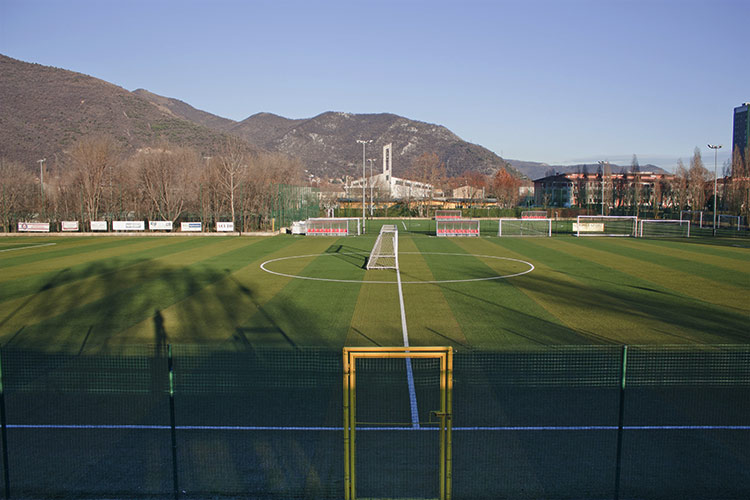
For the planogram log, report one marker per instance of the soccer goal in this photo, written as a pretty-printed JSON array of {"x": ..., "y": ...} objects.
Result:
[
  {"x": 333, "y": 226},
  {"x": 613, "y": 225},
  {"x": 663, "y": 228},
  {"x": 534, "y": 214},
  {"x": 694, "y": 216},
  {"x": 525, "y": 227},
  {"x": 459, "y": 227},
  {"x": 730, "y": 221},
  {"x": 384, "y": 254},
  {"x": 447, "y": 214}
]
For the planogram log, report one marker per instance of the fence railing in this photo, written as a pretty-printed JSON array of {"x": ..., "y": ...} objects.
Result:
[{"x": 545, "y": 422}]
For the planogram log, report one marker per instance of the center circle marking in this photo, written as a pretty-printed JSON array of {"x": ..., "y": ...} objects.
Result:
[{"x": 498, "y": 277}]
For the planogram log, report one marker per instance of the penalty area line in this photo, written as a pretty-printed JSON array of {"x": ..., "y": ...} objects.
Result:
[{"x": 27, "y": 247}]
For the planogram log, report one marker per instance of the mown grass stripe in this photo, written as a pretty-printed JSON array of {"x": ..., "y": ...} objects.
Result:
[
  {"x": 309, "y": 313},
  {"x": 717, "y": 288},
  {"x": 64, "y": 249},
  {"x": 213, "y": 312},
  {"x": 492, "y": 312},
  {"x": 715, "y": 247},
  {"x": 429, "y": 315},
  {"x": 59, "y": 272},
  {"x": 147, "y": 289},
  {"x": 606, "y": 303},
  {"x": 723, "y": 270},
  {"x": 88, "y": 282}
]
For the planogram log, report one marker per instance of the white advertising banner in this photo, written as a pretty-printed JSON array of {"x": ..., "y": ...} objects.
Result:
[
  {"x": 160, "y": 225},
  {"x": 33, "y": 227},
  {"x": 98, "y": 225},
  {"x": 69, "y": 225},
  {"x": 128, "y": 225},
  {"x": 191, "y": 226},
  {"x": 225, "y": 226}
]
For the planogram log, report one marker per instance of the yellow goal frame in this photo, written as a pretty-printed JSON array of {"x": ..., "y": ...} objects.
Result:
[{"x": 444, "y": 414}]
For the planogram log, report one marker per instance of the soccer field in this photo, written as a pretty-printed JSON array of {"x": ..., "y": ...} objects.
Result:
[
  {"x": 92, "y": 292},
  {"x": 211, "y": 367}
]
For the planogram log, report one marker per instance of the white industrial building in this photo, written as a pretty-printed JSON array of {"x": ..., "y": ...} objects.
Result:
[{"x": 387, "y": 186}]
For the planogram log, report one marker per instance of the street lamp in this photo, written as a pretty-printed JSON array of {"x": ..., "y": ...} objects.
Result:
[
  {"x": 364, "y": 144},
  {"x": 716, "y": 153}
]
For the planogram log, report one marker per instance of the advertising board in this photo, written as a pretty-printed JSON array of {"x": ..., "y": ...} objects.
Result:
[{"x": 128, "y": 225}]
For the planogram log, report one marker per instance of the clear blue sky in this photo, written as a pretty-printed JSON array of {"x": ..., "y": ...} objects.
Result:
[{"x": 551, "y": 81}]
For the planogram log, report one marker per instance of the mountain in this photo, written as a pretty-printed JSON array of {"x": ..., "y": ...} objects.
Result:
[
  {"x": 535, "y": 170},
  {"x": 183, "y": 110},
  {"x": 327, "y": 143},
  {"x": 46, "y": 109}
]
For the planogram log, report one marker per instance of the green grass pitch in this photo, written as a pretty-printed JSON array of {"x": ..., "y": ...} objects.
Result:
[{"x": 91, "y": 293}]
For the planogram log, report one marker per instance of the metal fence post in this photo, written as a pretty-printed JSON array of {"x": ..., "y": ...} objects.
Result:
[
  {"x": 618, "y": 465},
  {"x": 4, "y": 432},
  {"x": 172, "y": 426}
]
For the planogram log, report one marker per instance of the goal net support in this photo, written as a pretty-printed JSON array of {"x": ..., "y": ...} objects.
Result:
[
  {"x": 663, "y": 228},
  {"x": 457, "y": 227},
  {"x": 448, "y": 214},
  {"x": 613, "y": 225},
  {"x": 333, "y": 226},
  {"x": 525, "y": 227},
  {"x": 384, "y": 254}
]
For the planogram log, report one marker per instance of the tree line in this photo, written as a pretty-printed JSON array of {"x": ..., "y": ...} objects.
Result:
[{"x": 96, "y": 180}]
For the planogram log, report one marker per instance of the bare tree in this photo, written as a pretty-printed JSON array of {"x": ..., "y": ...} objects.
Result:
[
  {"x": 698, "y": 177},
  {"x": 90, "y": 159},
  {"x": 428, "y": 169},
  {"x": 166, "y": 175},
  {"x": 231, "y": 164},
  {"x": 18, "y": 193}
]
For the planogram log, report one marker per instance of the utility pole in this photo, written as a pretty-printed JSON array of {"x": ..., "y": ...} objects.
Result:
[
  {"x": 364, "y": 145},
  {"x": 716, "y": 153},
  {"x": 41, "y": 179}
]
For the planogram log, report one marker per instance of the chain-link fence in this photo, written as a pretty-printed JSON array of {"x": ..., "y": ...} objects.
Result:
[{"x": 588, "y": 422}]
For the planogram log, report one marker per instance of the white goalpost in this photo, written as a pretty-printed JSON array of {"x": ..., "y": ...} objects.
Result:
[
  {"x": 613, "y": 225},
  {"x": 729, "y": 221},
  {"x": 384, "y": 254},
  {"x": 530, "y": 226},
  {"x": 649, "y": 228},
  {"x": 336, "y": 226},
  {"x": 694, "y": 216},
  {"x": 457, "y": 227}
]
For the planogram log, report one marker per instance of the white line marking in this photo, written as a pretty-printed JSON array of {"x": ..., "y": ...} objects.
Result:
[
  {"x": 385, "y": 428},
  {"x": 409, "y": 372},
  {"x": 32, "y": 246},
  {"x": 404, "y": 224},
  {"x": 432, "y": 282}
]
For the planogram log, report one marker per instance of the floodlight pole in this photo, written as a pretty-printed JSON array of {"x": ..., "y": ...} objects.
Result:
[
  {"x": 716, "y": 153},
  {"x": 364, "y": 145},
  {"x": 372, "y": 204}
]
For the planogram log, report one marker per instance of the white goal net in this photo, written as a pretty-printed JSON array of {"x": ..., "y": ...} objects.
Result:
[
  {"x": 613, "y": 225},
  {"x": 384, "y": 254},
  {"x": 663, "y": 228},
  {"x": 525, "y": 227},
  {"x": 459, "y": 227}
]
